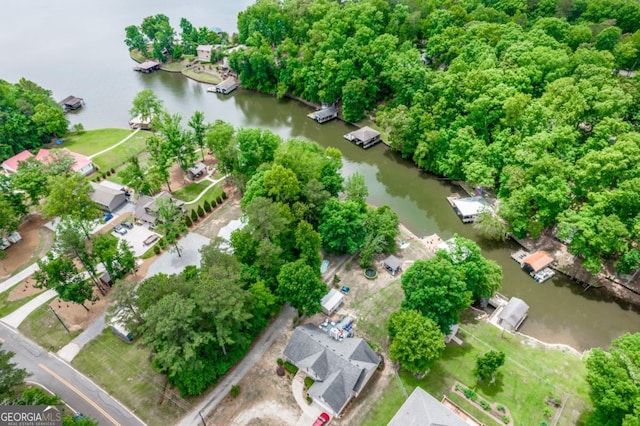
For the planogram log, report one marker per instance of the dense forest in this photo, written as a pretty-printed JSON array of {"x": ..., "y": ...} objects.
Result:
[
  {"x": 29, "y": 117},
  {"x": 536, "y": 101}
]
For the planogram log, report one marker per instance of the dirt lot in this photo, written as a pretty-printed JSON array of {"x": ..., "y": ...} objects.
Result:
[
  {"x": 211, "y": 225},
  {"x": 36, "y": 241},
  {"x": 267, "y": 399}
]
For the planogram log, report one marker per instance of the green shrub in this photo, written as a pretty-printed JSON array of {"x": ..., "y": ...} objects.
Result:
[
  {"x": 200, "y": 211},
  {"x": 547, "y": 412},
  {"x": 219, "y": 200},
  {"x": 501, "y": 408},
  {"x": 214, "y": 203},
  {"x": 207, "y": 206},
  {"x": 156, "y": 249},
  {"x": 470, "y": 394},
  {"x": 235, "y": 391},
  {"x": 308, "y": 382},
  {"x": 309, "y": 400},
  {"x": 187, "y": 221},
  {"x": 194, "y": 216},
  {"x": 290, "y": 367},
  {"x": 162, "y": 243},
  {"x": 505, "y": 419},
  {"x": 224, "y": 195},
  {"x": 113, "y": 170},
  {"x": 485, "y": 405},
  {"x": 459, "y": 388},
  {"x": 280, "y": 361},
  {"x": 544, "y": 423}
]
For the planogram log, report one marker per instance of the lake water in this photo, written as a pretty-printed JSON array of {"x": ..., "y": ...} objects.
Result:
[{"x": 75, "y": 47}]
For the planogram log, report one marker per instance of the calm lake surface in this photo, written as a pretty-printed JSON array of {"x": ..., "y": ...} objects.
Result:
[{"x": 75, "y": 47}]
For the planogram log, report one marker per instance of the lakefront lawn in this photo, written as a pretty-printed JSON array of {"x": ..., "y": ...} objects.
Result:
[
  {"x": 90, "y": 142},
  {"x": 531, "y": 375}
]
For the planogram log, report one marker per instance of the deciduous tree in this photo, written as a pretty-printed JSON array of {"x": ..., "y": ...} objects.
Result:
[
  {"x": 170, "y": 222},
  {"x": 487, "y": 365},
  {"x": 300, "y": 285},
  {"x": 416, "y": 341}
]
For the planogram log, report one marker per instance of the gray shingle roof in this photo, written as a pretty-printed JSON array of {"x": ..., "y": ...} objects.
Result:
[
  {"x": 513, "y": 313},
  {"x": 104, "y": 196},
  {"x": 422, "y": 409},
  {"x": 325, "y": 112},
  {"x": 341, "y": 369},
  {"x": 393, "y": 262}
]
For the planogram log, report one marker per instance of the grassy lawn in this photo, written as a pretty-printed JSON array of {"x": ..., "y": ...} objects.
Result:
[
  {"x": 43, "y": 327},
  {"x": 118, "y": 156},
  {"x": 191, "y": 191},
  {"x": 211, "y": 195},
  {"x": 7, "y": 307},
  {"x": 123, "y": 370},
  {"x": 529, "y": 375},
  {"x": 92, "y": 141},
  {"x": 201, "y": 76}
]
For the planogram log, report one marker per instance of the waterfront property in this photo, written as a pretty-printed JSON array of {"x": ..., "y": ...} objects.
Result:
[
  {"x": 325, "y": 114},
  {"x": 468, "y": 208},
  {"x": 71, "y": 103},
  {"x": 422, "y": 409},
  {"x": 227, "y": 86},
  {"x": 538, "y": 264},
  {"x": 512, "y": 315},
  {"x": 365, "y": 137},
  {"x": 341, "y": 368},
  {"x": 81, "y": 163},
  {"x": 197, "y": 170},
  {"x": 138, "y": 122},
  {"x": 147, "y": 67},
  {"x": 204, "y": 52}
]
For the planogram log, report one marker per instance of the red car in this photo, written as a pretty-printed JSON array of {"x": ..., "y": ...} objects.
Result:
[{"x": 321, "y": 420}]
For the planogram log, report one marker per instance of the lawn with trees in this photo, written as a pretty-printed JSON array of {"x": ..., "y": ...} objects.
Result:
[{"x": 521, "y": 99}]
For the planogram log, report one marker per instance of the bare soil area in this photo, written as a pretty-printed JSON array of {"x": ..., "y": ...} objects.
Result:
[
  {"x": 222, "y": 215},
  {"x": 25, "y": 289},
  {"x": 36, "y": 241},
  {"x": 265, "y": 398},
  {"x": 75, "y": 316}
]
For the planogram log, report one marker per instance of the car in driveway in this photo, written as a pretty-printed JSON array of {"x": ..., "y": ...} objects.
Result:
[
  {"x": 322, "y": 419},
  {"x": 127, "y": 225},
  {"x": 120, "y": 229}
]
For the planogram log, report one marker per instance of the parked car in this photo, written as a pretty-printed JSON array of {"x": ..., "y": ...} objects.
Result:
[
  {"x": 151, "y": 239},
  {"x": 119, "y": 229},
  {"x": 322, "y": 419},
  {"x": 127, "y": 225},
  {"x": 107, "y": 217}
]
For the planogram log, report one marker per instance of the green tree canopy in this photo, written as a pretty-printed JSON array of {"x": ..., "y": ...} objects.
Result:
[
  {"x": 300, "y": 285},
  {"x": 487, "y": 365},
  {"x": 416, "y": 341}
]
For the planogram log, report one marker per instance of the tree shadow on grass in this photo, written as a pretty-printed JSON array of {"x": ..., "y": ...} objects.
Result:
[{"x": 492, "y": 389}]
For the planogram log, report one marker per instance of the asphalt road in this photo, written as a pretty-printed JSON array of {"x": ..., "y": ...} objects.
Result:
[
  {"x": 75, "y": 389},
  {"x": 222, "y": 389}
]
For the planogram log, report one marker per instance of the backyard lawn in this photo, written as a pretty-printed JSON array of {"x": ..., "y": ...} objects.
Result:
[
  {"x": 211, "y": 195},
  {"x": 123, "y": 370},
  {"x": 191, "y": 191},
  {"x": 529, "y": 376},
  {"x": 92, "y": 141},
  {"x": 45, "y": 329}
]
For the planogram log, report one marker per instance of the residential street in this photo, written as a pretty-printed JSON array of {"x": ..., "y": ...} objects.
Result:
[
  {"x": 206, "y": 407},
  {"x": 74, "y": 388}
]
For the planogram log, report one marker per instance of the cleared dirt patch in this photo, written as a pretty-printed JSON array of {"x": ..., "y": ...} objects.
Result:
[
  {"x": 25, "y": 289},
  {"x": 222, "y": 215},
  {"x": 36, "y": 241}
]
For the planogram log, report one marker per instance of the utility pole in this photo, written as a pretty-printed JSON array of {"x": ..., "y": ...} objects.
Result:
[
  {"x": 202, "y": 418},
  {"x": 59, "y": 319}
]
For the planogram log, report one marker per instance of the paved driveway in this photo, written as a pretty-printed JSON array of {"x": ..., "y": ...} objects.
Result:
[
  {"x": 135, "y": 237},
  {"x": 170, "y": 263}
]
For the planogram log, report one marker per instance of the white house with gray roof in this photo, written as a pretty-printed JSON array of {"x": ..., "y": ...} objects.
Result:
[{"x": 341, "y": 369}]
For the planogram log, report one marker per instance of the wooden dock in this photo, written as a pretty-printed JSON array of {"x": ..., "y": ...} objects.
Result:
[
  {"x": 519, "y": 256},
  {"x": 451, "y": 198}
]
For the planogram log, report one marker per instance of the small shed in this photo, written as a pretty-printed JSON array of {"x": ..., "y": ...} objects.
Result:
[
  {"x": 331, "y": 301},
  {"x": 71, "y": 103},
  {"x": 147, "y": 67},
  {"x": 105, "y": 278},
  {"x": 392, "y": 264},
  {"x": 197, "y": 170},
  {"x": 325, "y": 114},
  {"x": 469, "y": 208},
  {"x": 513, "y": 314},
  {"x": 537, "y": 261},
  {"x": 364, "y": 137}
]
